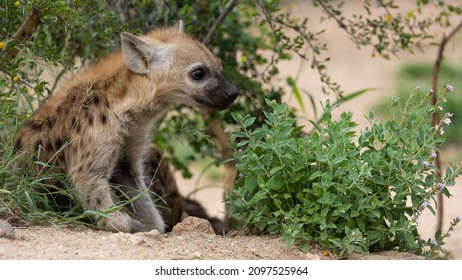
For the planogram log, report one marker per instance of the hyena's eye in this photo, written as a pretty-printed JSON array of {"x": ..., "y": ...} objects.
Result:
[{"x": 198, "y": 74}]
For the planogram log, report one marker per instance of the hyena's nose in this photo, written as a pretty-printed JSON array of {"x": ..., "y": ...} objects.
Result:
[{"x": 231, "y": 92}]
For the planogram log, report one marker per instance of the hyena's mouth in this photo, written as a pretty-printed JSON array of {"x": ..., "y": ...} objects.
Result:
[
  {"x": 215, "y": 101},
  {"x": 220, "y": 97}
]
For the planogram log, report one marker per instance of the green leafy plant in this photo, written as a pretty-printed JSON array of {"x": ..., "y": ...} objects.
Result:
[
  {"x": 420, "y": 74},
  {"x": 348, "y": 193}
]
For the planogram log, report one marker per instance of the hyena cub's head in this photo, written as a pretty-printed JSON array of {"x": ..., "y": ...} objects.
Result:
[{"x": 184, "y": 70}]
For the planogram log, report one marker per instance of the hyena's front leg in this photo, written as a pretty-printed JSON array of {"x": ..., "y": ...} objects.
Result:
[
  {"x": 129, "y": 176},
  {"x": 101, "y": 198},
  {"x": 97, "y": 195},
  {"x": 90, "y": 173}
]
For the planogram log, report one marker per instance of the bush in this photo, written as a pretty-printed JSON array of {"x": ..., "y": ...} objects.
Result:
[
  {"x": 347, "y": 193},
  {"x": 421, "y": 74}
]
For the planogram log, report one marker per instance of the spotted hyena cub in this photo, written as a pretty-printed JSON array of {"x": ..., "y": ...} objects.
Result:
[{"x": 98, "y": 127}]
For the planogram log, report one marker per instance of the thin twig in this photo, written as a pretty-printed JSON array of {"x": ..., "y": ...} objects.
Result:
[
  {"x": 436, "y": 118},
  {"x": 208, "y": 38},
  {"x": 332, "y": 15},
  {"x": 269, "y": 21},
  {"x": 58, "y": 78}
]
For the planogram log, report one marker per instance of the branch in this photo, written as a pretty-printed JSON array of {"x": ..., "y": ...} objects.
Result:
[
  {"x": 436, "y": 118},
  {"x": 269, "y": 21},
  {"x": 208, "y": 38},
  {"x": 332, "y": 15},
  {"x": 27, "y": 28}
]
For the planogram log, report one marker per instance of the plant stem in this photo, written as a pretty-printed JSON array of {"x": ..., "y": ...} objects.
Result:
[
  {"x": 436, "y": 118},
  {"x": 208, "y": 38}
]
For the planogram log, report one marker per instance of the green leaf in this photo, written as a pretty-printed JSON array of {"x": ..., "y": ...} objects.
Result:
[
  {"x": 261, "y": 183},
  {"x": 361, "y": 225},
  {"x": 374, "y": 236},
  {"x": 251, "y": 183},
  {"x": 339, "y": 160},
  {"x": 305, "y": 247},
  {"x": 275, "y": 170},
  {"x": 275, "y": 183},
  {"x": 248, "y": 122},
  {"x": 290, "y": 241},
  {"x": 294, "y": 179},
  {"x": 379, "y": 180},
  {"x": 312, "y": 101},
  {"x": 409, "y": 238},
  {"x": 296, "y": 93},
  {"x": 318, "y": 189},
  {"x": 352, "y": 95},
  {"x": 371, "y": 115},
  {"x": 315, "y": 175}
]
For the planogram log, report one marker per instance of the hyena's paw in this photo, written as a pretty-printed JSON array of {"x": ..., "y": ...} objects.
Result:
[
  {"x": 117, "y": 222},
  {"x": 141, "y": 226}
]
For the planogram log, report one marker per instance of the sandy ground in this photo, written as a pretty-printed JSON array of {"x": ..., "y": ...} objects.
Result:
[
  {"x": 63, "y": 243},
  {"x": 190, "y": 240},
  {"x": 353, "y": 69}
]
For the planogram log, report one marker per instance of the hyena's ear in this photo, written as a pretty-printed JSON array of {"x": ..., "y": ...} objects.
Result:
[
  {"x": 179, "y": 26},
  {"x": 142, "y": 57}
]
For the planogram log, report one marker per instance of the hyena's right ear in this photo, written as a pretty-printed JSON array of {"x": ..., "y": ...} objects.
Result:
[
  {"x": 142, "y": 57},
  {"x": 179, "y": 26}
]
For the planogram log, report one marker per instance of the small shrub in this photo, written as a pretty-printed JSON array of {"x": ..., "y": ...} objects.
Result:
[
  {"x": 421, "y": 74},
  {"x": 346, "y": 193}
]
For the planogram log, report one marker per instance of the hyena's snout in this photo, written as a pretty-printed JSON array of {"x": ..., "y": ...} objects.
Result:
[
  {"x": 218, "y": 95},
  {"x": 230, "y": 92},
  {"x": 225, "y": 95}
]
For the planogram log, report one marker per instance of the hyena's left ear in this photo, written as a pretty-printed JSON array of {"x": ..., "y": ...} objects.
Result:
[
  {"x": 179, "y": 26},
  {"x": 142, "y": 57}
]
